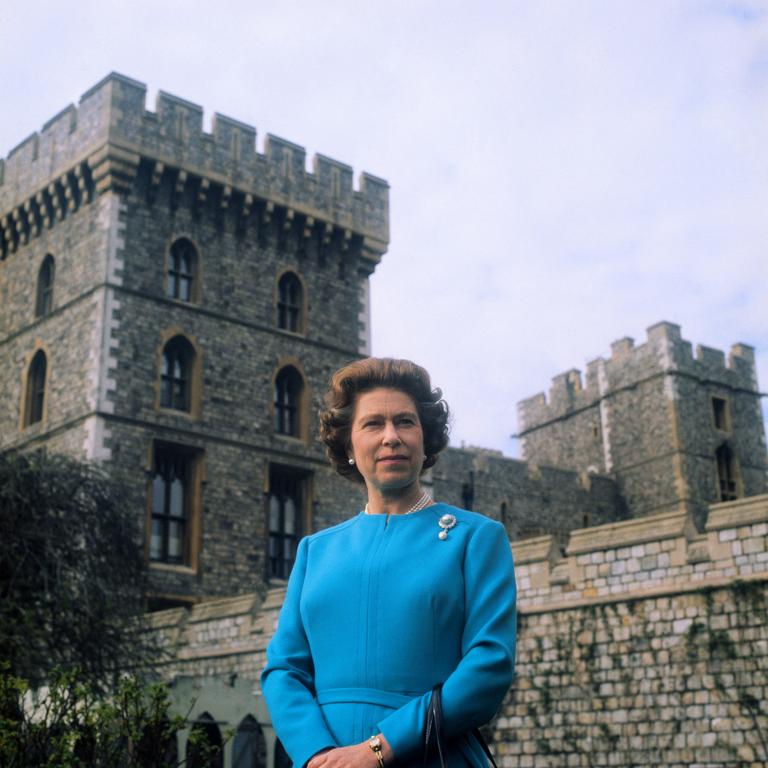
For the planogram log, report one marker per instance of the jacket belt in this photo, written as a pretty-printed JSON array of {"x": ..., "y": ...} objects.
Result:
[{"x": 364, "y": 696}]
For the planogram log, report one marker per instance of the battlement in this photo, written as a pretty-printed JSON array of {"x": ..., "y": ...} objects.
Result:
[
  {"x": 111, "y": 130},
  {"x": 640, "y": 558},
  {"x": 663, "y": 352}
]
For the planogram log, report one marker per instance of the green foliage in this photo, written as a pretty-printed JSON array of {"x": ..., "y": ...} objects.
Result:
[
  {"x": 71, "y": 571},
  {"x": 729, "y": 663},
  {"x": 728, "y": 653},
  {"x": 695, "y": 631},
  {"x": 751, "y": 596},
  {"x": 721, "y": 645},
  {"x": 70, "y": 724}
]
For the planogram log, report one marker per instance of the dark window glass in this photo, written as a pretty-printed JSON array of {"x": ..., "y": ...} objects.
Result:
[
  {"x": 249, "y": 747},
  {"x": 288, "y": 386},
  {"x": 204, "y": 750},
  {"x": 289, "y": 303},
  {"x": 44, "y": 303},
  {"x": 286, "y": 494},
  {"x": 720, "y": 413},
  {"x": 176, "y": 373},
  {"x": 182, "y": 266},
  {"x": 726, "y": 473},
  {"x": 171, "y": 488},
  {"x": 35, "y": 389}
]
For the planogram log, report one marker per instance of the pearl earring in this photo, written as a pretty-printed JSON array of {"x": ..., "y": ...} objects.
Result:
[{"x": 351, "y": 462}]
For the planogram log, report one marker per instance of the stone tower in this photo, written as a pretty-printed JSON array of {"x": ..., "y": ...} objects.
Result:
[
  {"x": 173, "y": 302},
  {"x": 677, "y": 432}
]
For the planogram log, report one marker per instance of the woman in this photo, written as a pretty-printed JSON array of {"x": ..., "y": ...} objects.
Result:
[{"x": 408, "y": 594}]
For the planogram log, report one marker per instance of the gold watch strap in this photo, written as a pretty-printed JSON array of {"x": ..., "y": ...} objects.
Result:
[{"x": 375, "y": 744}]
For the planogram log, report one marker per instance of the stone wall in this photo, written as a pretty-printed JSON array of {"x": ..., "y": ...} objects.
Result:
[
  {"x": 529, "y": 499},
  {"x": 105, "y": 136},
  {"x": 645, "y": 416},
  {"x": 106, "y": 188},
  {"x": 646, "y": 644}
]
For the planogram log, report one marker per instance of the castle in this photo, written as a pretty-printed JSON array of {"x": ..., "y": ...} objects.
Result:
[{"x": 173, "y": 302}]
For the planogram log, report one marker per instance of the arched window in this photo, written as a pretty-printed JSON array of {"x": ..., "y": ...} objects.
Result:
[
  {"x": 34, "y": 400},
  {"x": 44, "y": 302},
  {"x": 286, "y": 500},
  {"x": 171, "y": 486},
  {"x": 288, "y": 389},
  {"x": 176, "y": 374},
  {"x": 204, "y": 748},
  {"x": 183, "y": 266},
  {"x": 289, "y": 303},
  {"x": 726, "y": 473},
  {"x": 249, "y": 749}
]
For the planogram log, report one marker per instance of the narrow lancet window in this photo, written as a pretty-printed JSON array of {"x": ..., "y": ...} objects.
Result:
[
  {"x": 289, "y": 303},
  {"x": 45, "y": 277},
  {"x": 183, "y": 267}
]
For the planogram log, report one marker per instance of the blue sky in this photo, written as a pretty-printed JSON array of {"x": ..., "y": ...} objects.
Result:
[{"x": 562, "y": 173}]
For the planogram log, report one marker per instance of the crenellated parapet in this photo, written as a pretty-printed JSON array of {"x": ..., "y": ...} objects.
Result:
[
  {"x": 640, "y": 558},
  {"x": 663, "y": 353},
  {"x": 110, "y": 139}
]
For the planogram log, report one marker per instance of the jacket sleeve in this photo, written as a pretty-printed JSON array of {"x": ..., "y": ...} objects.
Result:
[
  {"x": 287, "y": 680},
  {"x": 474, "y": 690}
]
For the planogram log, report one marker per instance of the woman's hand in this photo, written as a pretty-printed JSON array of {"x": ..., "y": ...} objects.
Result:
[{"x": 355, "y": 756}]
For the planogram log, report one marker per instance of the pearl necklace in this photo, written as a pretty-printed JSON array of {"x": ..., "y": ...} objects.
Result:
[{"x": 424, "y": 501}]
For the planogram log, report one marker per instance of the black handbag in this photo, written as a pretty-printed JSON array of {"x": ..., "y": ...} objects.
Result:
[{"x": 434, "y": 727}]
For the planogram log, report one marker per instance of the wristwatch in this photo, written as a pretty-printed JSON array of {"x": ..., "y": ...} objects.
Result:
[{"x": 375, "y": 744}]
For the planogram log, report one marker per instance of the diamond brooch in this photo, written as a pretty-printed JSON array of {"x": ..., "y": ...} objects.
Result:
[{"x": 446, "y": 522}]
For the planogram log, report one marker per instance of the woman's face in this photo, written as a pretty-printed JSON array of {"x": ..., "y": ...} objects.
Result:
[{"x": 386, "y": 441}]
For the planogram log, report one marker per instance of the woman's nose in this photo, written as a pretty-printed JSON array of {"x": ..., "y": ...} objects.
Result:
[{"x": 390, "y": 436}]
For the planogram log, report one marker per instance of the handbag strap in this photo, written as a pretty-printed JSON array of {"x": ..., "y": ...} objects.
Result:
[
  {"x": 434, "y": 726},
  {"x": 484, "y": 744}
]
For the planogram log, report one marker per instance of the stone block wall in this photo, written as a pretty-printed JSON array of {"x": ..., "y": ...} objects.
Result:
[
  {"x": 529, "y": 499},
  {"x": 104, "y": 137},
  {"x": 232, "y": 520},
  {"x": 645, "y": 416},
  {"x": 106, "y": 187},
  {"x": 78, "y": 245},
  {"x": 645, "y": 645},
  {"x": 743, "y": 434},
  {"x": 71, "y": 375}
]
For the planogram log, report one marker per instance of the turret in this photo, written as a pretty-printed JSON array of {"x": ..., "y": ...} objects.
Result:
[{"x": 658, "y": 418}]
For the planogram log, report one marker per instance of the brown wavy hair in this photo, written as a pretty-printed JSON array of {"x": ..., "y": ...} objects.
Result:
[{"x": 364, "y": 375}]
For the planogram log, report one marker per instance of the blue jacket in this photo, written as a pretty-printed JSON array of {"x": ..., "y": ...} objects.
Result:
[{"x": 378, "y": 610}]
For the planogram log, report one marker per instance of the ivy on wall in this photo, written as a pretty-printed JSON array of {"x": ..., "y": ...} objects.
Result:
[{"x": 643, "y": 682}]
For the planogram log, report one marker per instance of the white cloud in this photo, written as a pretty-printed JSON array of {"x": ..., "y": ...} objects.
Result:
[{"x": 563, "y": 174}]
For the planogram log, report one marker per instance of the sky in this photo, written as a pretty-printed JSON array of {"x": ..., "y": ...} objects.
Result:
[{"x": 563, "y": 174}]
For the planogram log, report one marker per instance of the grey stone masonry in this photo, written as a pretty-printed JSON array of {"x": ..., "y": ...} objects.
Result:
[
  {"x": 645, "y": 644},
  {"x": 106, "y": 189},
  {"x": 645, "y": 416},
  {"x": 529, "y": 499},
  {"x": 101, "y": 142}
]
